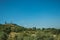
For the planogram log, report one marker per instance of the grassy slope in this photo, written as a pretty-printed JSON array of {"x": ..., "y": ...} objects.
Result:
[{"x": 30, "y": 35}]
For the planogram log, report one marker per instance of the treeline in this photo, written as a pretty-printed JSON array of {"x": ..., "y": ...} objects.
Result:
[{"x": 6, "y": 29}]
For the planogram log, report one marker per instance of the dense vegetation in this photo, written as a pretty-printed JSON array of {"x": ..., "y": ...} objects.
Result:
[{"x": 16, "y": 32}]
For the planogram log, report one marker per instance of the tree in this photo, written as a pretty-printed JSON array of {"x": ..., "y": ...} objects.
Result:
[
  {"x": 43, "y": 29},
  {"x": 34, "y": 28},
  {"x": 7, "y": 30},
  {"x": 4, "y": 36}
]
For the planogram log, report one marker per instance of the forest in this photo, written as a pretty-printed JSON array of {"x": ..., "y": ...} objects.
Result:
[{"x": 17, "y": 32}]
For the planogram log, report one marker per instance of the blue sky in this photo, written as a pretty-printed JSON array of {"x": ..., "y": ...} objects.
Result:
[{"x": 30, "y": 13}]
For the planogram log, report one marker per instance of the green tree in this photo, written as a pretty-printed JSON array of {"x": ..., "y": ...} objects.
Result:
[{"x": 34, "y": 28}]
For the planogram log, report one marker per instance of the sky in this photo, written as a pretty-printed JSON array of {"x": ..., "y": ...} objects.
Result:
[{"x": 31, "y": 13}]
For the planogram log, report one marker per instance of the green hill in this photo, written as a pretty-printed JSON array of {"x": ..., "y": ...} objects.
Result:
[{"x": 16, "y": 32}]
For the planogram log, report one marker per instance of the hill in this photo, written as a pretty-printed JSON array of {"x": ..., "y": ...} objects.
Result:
[{"x": 16, "y": 32}]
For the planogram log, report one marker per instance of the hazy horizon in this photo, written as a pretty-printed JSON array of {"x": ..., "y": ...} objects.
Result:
[{"x": 30, "y": 13}]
